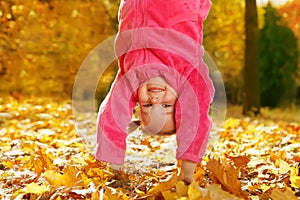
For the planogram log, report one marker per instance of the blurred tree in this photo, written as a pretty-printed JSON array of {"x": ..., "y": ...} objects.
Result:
[
  {"x": 251, "y": 104},
  {"x": 43, "y": 42},
  {"x": 291, "y": 14},
  {"x": 278, "y": 61},
  {"x": 224, "y": 35},
  {"x": 112, "y": 8}
]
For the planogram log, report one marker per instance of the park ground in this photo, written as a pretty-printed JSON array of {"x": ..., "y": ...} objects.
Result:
[{"x": 43, "y": 157}]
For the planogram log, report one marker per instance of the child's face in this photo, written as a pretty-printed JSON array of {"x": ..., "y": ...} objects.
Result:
[{"x": 157, "y": 101}]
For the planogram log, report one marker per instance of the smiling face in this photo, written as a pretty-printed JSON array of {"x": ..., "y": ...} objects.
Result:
[{"x": 157, "y": 101}]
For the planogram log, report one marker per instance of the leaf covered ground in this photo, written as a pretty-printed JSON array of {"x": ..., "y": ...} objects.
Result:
[{"x": 42, "y": 157}]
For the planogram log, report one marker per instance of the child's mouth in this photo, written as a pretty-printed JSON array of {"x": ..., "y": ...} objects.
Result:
[{"x": 155, "y": 89}]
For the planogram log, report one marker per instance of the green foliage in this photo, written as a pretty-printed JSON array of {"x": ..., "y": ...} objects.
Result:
[{"x": 278, "y": 61}]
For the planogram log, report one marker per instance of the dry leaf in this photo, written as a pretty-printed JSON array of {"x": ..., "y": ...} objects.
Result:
[
  {"x": 70, "y": 177},
  {"x": 166, "y": 185},
  {"x": 194, "y": 191},
  {"x": 181, "y": 189},
  {"x": 239, "y": 161},
  {"x": 169, "y": 195},
  {"x": 34, "y": 188},
  {"x": 278, "y": 194},
  {"x": 295, "y": 177},
  {"x": 215, "y": 192},
  {"x": 227, "y": 175}
]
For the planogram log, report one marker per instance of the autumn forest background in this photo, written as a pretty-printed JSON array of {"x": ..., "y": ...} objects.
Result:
[
  {"x": 43, "y": 43},
  {"x": 42, "y": 46}
]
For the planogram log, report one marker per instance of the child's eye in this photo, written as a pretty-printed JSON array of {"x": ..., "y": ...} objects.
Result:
[
  {"x": 147, "y": 105},
  {"x": 166, "y": 105}
]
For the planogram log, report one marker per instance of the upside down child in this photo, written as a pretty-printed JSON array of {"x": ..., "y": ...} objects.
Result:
[{"x": 159, "y": 49}]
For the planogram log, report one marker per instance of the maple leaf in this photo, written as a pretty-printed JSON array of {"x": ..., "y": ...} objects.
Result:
[
  {"x": 181, "y": 189},
  {"x": 294, "y": 177},
  {"x": 70, "y": 177},
  {"x": 215, "y": 192},
  {"x": 227, "y": 175},
  {"x": 239, "y": 161},
  {"x": 194, "y": 191},
  {"x": 166, "y": 185},
  {"x": 34, "y": 188},
  {"x": 278, "y": 194}
]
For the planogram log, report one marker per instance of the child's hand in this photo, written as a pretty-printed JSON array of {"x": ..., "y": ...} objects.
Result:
[{"x": 187, "y": 171}]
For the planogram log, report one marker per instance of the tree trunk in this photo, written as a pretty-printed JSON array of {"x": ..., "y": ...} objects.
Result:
[{"x": 251, "y": 73}]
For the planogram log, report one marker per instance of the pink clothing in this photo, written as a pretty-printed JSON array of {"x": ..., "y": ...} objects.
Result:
[{"x": 159, "y": 38}]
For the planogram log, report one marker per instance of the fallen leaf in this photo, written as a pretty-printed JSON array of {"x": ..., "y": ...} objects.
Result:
[
  {"x": 215, "y": 192},
  {"x": 34, "y": 188},
  {"x": 166, "y": 185},
  {"x": 278, "y": 194},
  {"x": 295, "y": 177},
  {"x": 169, "y": 195},
  {"x": 227, "y": 175},
  {"x": 239, "y": 161},
  {"x": 54, "y": 178},
  {"x": 70, "y": 177},
  {"x": 181, "y": 189},
  {"x": 194, "y": 191}
]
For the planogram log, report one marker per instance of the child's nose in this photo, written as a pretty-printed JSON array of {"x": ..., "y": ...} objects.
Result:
[{"x": 154, "y": 99}]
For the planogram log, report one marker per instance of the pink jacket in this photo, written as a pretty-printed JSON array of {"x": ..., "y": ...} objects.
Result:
[{"x": 159, "y": 38}]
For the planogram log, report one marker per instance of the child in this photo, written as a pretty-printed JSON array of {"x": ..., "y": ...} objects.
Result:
[{"x": 161, "y": 68}]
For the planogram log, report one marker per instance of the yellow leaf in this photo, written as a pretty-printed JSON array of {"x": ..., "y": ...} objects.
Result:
[
  {"x": 294, "y": 178},
  {"x": 279, "y": 155},
  {"x": 70, "y": 177},
  {"x": 34, "y": 188},
  {"x": 287, "y": 194},
  {"x": 164, "y": 185},
  {"x": 168, "y": 195},
  {"x": 227, "y": 175},
  {"x": 45, "y": 158},
  {"x": 194, "y": 191},
  {"x": 73, "y": 177},
  {"x": 181, "y": 189},
  {"x": 111, "y": 195},
  {"x": 283, "y": 166},
  {"x": 125, "y": 197},
  {"x": 96, "y": 196},
  {"x": 37, "y": 165},
  {"x": 139, "y": 192},
  {"x": 240, "y": 161},
  {"x": 54, "y": 178},
  {"x": 231, "y": 123},
  {"x": 199, "y": 175},
  {"x": 215, "y": 192}
]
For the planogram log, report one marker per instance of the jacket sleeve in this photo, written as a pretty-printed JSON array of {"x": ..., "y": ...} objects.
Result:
[
  {"x": 114, "y": 116},
  {"x": 192, "y": 119},
  {"x": 204, "y": 8}
]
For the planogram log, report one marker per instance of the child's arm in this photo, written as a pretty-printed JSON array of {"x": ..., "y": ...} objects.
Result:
[
  {"x": 187, "y": 171},
  {"x": 113, "y": 117}
]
